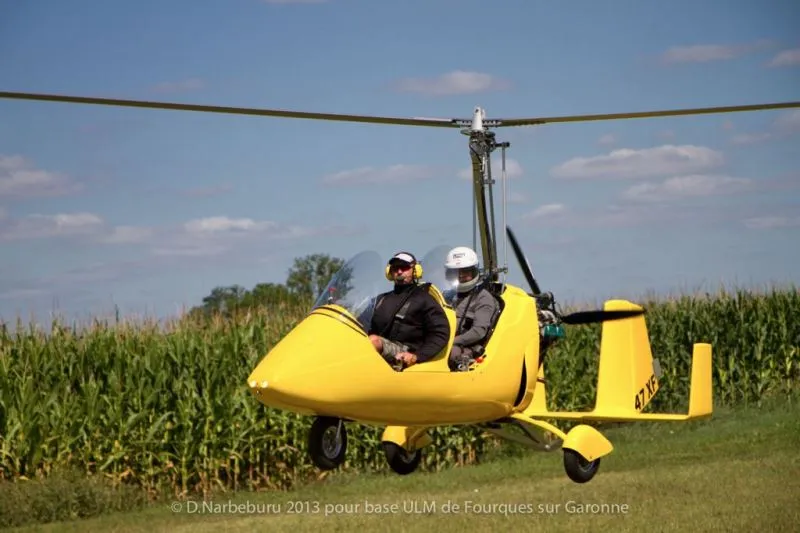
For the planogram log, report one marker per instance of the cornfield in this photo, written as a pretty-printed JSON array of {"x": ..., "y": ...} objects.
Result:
[{"x": 168, "y": 409}]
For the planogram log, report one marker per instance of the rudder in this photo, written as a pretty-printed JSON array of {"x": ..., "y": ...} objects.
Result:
[{"x": 628, "y": 375}]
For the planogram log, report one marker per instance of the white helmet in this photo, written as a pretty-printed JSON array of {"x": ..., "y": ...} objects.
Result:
[{"x": 462, "y": 267}]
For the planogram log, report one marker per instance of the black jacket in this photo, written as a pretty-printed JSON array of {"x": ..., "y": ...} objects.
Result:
[{"x": 423, "y": 328}]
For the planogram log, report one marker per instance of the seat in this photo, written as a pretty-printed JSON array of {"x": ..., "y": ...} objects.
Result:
[{"x": 496, "y": 289}]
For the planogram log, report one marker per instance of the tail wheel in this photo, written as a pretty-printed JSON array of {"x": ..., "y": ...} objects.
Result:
[
  {"x": 578, "y": 468},
  {"x": 401, "y": 461},
  {"x": 327, "y": 442}
]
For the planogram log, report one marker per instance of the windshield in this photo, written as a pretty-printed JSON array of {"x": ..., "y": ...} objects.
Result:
[
  {"x": 434, "y": 272},
  {"x": 356, "y": 284},
  {"x": 362, "y": 278}
]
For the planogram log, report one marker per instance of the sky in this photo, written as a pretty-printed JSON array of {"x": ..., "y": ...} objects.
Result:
[{"x": 148, "y": 210}]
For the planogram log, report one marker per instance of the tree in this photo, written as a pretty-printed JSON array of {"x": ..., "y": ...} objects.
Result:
[
  {"x": 307, "y": 278},
  {"x": 268, "y": 294},
  {"x": 310, "y": 274},
  {"x": 223, "y": 299}
]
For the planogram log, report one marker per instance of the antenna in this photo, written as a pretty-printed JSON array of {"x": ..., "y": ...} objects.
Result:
[{"x": 505, "y": 146}]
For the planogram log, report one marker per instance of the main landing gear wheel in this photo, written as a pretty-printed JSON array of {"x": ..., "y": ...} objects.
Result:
[
  {"x": 579, "y": 469},
  {"x": 327, "y": 442},
  {"x": 401, "y": 461}
]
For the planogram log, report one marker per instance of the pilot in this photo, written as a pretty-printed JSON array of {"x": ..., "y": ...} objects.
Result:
[
  {"x": 408, "y": 325},
  {"x": 475, "y": 308}
]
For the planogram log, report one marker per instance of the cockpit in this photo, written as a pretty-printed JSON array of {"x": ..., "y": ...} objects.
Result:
[{"x": 361, "y": 279}]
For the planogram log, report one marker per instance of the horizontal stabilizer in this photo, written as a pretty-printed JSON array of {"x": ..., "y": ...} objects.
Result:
[{"x": 628, "y": 377}]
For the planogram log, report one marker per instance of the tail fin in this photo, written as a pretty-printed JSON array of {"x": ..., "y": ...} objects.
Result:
[
  {"x": 627, "y": 378},
  {"x": 628, "y": 375}
]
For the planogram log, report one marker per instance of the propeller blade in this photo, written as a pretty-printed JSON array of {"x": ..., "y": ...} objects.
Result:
[
  {"x": 592, "y": 317},
  {"x": 645, "y": 114},
  {"x": 523, "y": 262},
  {"x": 435, "y": 122}
]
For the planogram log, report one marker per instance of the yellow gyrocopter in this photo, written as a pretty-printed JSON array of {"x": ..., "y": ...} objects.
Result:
[{"x": 326, "y": 367}]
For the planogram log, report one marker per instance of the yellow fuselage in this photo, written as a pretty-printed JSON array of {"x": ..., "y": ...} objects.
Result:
[{"x": 327, "y": 366}]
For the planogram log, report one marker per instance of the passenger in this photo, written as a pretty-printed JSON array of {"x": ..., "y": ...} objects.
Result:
[
  {"x": 408, "y": 325},
  {"x": 475, "y": 308}
]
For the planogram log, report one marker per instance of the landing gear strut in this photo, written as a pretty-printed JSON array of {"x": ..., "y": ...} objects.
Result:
[{"x": 327, "y": 442}]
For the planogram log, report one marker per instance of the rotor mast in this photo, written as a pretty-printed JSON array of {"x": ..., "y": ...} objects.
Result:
[{"x": 481, "y": 145}]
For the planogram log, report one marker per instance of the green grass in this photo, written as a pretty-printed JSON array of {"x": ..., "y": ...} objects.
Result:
[{"x": 738, "y": 470}]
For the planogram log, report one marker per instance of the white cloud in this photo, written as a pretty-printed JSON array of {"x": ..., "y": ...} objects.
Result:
[
  {"x": 190, "y": 249},
  {"x": 786, "y": 124},
  {"x": 609, "y": 216},
  {"x": 627, "y": 163},
  {"x": 786, "y": 58},
  {"x": 204, "y": 236},
  {"x": 687, "y": 186},
  {"x": 545, "y": 211},
  {"x": 750, "y": 138},
  {"x": 771, "y": 222},
  {"x": 625, "y": 214},
  {"x": 617, "y": 216},
  {"x": 218, "y": 224},
  {"x": 218, "y": 234},
  {"x": 452, "y": 83},
  {"x": 700, "y": 53},
  {"x": 19, "y": 178},
  {"x": 513, "y": 170},
  {"x": 127, "y": 235},
  {"x": 374, "y": 175},
  {"x": 45, "y": 226},
  {"x": 703, "y": 53},
  {"x": 607, "y": 140},
  {"x": 88, "y": 226},
  {"x": 517, "y": 198}
]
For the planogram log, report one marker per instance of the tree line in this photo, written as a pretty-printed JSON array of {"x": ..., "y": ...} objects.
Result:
[{"x": 308, "y": 277}]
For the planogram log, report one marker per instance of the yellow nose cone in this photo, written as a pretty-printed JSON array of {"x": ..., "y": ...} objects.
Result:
[{"x": 318, "y": 366}]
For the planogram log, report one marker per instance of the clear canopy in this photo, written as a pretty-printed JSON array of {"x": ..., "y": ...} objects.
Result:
[{"x": 362, "y": 278}]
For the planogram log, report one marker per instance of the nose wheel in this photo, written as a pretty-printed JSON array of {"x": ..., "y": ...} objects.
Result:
[{"x": 327, "y": 442}]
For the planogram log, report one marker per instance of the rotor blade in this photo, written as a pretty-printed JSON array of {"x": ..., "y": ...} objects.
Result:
[
  {"x": 434, "y": 122},
  {"x": 591, "y": 317},
  {"x": 644, "y": 114},
  {"x": 523, "y": 262}
]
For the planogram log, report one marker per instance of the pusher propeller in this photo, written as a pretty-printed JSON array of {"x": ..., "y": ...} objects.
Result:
[
  {"x": 523, "y": 263},
  {"x": 599, "y": 315}
]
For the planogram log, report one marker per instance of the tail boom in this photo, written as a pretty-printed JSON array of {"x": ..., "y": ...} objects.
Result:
[{"x": 628, "y": 377}]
